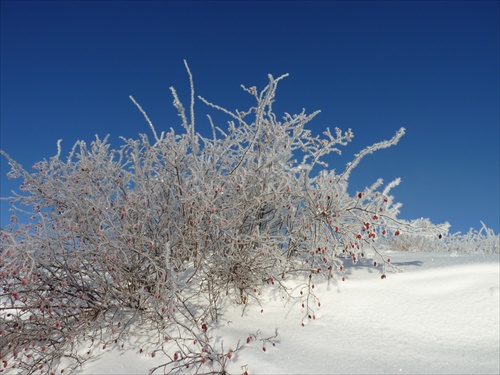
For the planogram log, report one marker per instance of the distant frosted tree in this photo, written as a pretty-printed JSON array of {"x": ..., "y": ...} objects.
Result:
[{"x": 165, "y": 232}]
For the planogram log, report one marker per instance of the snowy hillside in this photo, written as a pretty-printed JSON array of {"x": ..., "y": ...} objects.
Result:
[{"x": 439, "y": 315}]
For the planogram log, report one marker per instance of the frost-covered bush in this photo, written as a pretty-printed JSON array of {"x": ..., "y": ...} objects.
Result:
[
  {"x": 483, "y": 241},
  {"x": 417, "y": 240},
  {"x": 164, "y": 233}
]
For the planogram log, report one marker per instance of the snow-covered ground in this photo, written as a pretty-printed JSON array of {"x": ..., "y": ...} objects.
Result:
[{"x": 439, "y": 315}]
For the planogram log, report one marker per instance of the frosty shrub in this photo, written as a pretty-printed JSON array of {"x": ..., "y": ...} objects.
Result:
[
  {"x": 417, "y": 240},
  {"x": 483, "y": 241},
  {"x": 164, "y": 233}
]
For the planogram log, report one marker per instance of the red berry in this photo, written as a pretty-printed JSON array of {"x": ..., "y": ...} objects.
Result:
[{"x": 383, "y": 276}]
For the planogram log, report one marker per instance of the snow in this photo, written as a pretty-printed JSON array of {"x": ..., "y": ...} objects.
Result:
[{"x": 438, "y": 315}]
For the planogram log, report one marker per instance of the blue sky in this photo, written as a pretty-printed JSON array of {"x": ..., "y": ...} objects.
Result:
[{"x": 67, "y": 69}]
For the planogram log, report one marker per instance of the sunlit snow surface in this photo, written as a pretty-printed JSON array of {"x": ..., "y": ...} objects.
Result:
[{"x": 439, "y": 315}]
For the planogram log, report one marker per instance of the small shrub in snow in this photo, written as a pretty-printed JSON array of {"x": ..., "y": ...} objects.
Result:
[
  {"x": 483, "y": 241},
  {"x": 165, "y": 233}
]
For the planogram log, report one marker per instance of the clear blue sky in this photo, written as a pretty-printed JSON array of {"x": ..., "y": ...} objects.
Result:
[{"x": 67, "y": 69}]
